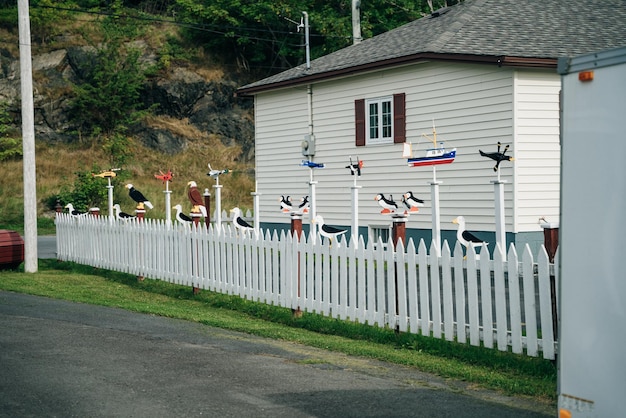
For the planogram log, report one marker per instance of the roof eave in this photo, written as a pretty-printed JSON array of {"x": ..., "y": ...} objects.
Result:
[{"x": 502, "y": 61}]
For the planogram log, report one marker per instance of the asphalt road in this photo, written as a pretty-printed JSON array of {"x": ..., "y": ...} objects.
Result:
[
  {"x": 66, "y": 359},
  {"x": 46, "y": 246}
]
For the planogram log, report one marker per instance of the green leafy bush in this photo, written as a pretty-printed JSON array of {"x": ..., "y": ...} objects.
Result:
[
  {"x": 10, "y": 149},
  {"x": 86, "y": 192}
]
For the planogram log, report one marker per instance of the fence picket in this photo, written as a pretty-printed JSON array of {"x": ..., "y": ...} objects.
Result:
[
  {"x": 459, "y": 291},
  {"x": 515, "y": 308},
  {"x": 472, "y": 297},
  {"x": 414, "y": 269},
  {"x": 486, "y": 289},
  {"x": 401, "y": 285},
  {"x": 530, "y": 309},
  {"x": 545, "y": 300},
  {"x": 500, "y": 300},
  {"x": 448, "y": 308}
]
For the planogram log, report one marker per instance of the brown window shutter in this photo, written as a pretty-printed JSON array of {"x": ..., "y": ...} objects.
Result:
[
  {"x": 399, "y": 118},
  {"x": 359, "y": 122}
]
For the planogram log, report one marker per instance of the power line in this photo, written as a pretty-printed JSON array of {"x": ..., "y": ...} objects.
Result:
[{"x": 211, "y": 28}]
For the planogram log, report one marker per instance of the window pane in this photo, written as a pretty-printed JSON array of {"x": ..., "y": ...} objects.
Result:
[
  {"x": 373, "y": 120},
  {"x": 387, "y": 118}
]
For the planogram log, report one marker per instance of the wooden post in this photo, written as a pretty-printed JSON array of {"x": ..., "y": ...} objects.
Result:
[
  {"x": 94, "y": 211},
  {"x": 498, "y": 190},
  {"x": 398, "y": 233},
  {"x": 195, "y": 217},
  {"x": 398, "y": 229},
  {"x": 550, "y": 238},
  {"x": 436, "y": 217},
  {"x": 207, "y": 205},
  {"x": 551, "y": 243},
  {"x": 296, "y": 233}
]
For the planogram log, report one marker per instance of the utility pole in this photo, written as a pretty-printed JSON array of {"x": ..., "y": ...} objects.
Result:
[
  {"x": 28, "y": 140},
  {"x": 356, "y": 21}
]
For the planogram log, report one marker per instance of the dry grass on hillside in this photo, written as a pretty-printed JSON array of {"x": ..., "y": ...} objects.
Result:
[{"x": 58, "y": 163}]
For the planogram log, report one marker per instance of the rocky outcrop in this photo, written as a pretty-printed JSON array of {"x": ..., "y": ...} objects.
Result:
[{"x": 211, "y": 106}]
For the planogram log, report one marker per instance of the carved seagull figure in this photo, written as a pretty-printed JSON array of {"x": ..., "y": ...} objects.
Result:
[
  {"x": 180, "y": 216},
  {"x": 465, "y": 237},
  {"x": 328, "y": 231},
  {"x": 121, "y": 216},
  {"x": 74, "y": 212},
  {"x": 238, "y": 221}
]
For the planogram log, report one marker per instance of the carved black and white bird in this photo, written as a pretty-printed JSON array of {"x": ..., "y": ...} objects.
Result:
[
  {"x": 180, "y": 216},
  {"x": 303, "y": 207},
  {"x": 466, "y": 238},
  {"x": 330, "y": 232},
  {"x": 412, "y": 202},
  {"x": 498, "y": 156},
  {"x": 138, "y": 197},
  {"x": 121, "y": 216},
  {"x": 355, "y": 168},
  {"x": 74, "y": 212},
  {"x": 285, "y": 204},
  {"x": 388, "y": 205},
  {"x": 238, "y": 222}
]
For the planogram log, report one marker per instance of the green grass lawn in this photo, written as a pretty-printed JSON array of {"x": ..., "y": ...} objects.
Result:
[{"x": 508, "y": 373}]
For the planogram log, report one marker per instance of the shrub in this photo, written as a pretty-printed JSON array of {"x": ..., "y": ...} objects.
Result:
[{"x": 87, "y": 191}]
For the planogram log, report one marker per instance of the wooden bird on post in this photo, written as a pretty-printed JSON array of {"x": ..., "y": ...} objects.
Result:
[
  {"x": 412, "y": 202},
  {"x": 238, "y": 222},
  {"x": 466, "y": 238},
  {"x": 122, "y": 216},
  {"x": 216, "y": 173},
  {"x": 388, "y": 205},
  {"x": 74, "y": 212},
  {"x": 497, "y": 156},
  {"x": 196, "y": 199},
  {"x": 328, "y": 231},
  {"x": 285, "y": 204},
  {"x": 180, "y": 216},
  {"x": 138, "y": 197},
  {"x": 355, "y": 168}
]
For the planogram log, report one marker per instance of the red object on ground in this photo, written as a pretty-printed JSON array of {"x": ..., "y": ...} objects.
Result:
[{"x": 11, "y": 249}]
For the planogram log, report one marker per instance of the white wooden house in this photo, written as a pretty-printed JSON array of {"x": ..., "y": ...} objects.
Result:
[{"x": 483, "y": 70}]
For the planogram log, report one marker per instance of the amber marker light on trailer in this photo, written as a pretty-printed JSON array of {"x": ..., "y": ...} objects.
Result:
[{"x": 585, "y": 75}]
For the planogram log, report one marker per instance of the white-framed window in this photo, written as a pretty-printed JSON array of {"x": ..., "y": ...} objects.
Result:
[
  {"x": 379, "y": 232},
  {"x": 379, "y": 120}
]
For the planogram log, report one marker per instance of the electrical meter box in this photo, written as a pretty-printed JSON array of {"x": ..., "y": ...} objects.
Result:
[
  {"x": 308, "y": 146},
  {"x": 592, "y": 279}
]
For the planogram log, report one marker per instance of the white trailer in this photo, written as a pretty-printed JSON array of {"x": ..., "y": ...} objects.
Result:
[{"x": 592, "y": 279}]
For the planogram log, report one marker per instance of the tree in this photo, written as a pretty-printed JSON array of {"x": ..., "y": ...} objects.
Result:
[
  {"x": 10, "y": 148},
  {"x": 262, "y": 34},
  {"x": 108, "y": 97}
]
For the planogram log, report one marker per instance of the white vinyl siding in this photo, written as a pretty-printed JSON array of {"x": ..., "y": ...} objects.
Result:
[
  {"x": 472, "y": 108},
  {"x": 538, "y": 152}
]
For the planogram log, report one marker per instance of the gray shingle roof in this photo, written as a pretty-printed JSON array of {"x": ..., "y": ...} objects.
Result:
[{"x": 504, "y": 32}]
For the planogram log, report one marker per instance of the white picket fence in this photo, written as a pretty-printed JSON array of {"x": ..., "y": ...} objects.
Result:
[{"x": 500, "y": 303}]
